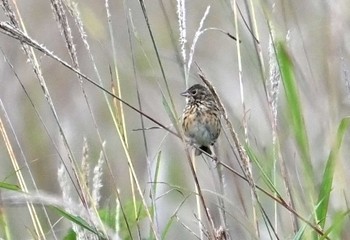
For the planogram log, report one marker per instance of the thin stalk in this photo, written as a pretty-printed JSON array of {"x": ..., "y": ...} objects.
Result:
[
  {"x": 118, "y": 105},
  {"x": 198, "y": 199},
  {"x": 245, "y": 127},
  {"x": 39, "y": 233},
  {"x": 173, "y": 109}
]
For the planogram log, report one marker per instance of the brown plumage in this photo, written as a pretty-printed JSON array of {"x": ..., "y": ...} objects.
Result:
[{"x": 201, "y": 118}]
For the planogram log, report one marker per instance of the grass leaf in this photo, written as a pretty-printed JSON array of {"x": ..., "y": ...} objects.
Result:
[
  {"x": 337, "y": 226},
  {"x": 9, "y": 186},
  {"x": 327, "y": 180},
  {"x": 294, "y": 108},
  {"x": 79, "y": 221}
]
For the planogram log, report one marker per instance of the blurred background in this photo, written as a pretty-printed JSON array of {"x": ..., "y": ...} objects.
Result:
[{"x": 316, "y": 36}]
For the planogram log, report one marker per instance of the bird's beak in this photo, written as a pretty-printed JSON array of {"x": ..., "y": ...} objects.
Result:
[{"x": 185, "y": 94}]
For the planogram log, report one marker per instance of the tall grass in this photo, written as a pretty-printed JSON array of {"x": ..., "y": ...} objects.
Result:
[{"x": 92, "y": 145}]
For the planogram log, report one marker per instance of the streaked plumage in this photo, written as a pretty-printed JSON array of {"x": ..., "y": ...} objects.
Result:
[{"x": 201, "y": 118}]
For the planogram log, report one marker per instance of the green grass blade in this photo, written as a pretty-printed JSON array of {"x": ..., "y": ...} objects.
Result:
[
  {"x": 79, "y": 221},
  {"x": 266, "y": 178},
  {"x": 337, "y": 226},
  {"x": 299, "y": 235},
  {"x": 167, "y": 227},
  {"x": 327, "y": 180},
  {"x": 9, "y": 186},
  {"x": 294, "y": 109}
]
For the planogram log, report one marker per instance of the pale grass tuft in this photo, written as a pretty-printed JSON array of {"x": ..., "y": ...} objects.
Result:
[
  {"x": 272, "y": 94},
  {"x": 345, "y": 71},
  {"x": 64, "y": 182},
  {"x": 181, "y": 15},
  {"x": 72, "y": 7},
  {"x": 199, "y": 32},
  {"x": 85, "y": 165},
  {"x": 117, "y": 215},
  {"x": 66, "y": 32},
  {"x": 66, "y": 188},
  {"x": 274, "y": 80},
  {"x": 21, "y": 198},
  {"x": 67, "y": 192},
  {"x": 97, "y": 179},
  {"x": 74, "y": 11},
  {"x": 72, "y": 207},
  {"x": 65, "y": 185}
]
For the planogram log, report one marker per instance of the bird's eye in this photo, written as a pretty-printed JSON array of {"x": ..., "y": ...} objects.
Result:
[{"x": 194, "y": 92}]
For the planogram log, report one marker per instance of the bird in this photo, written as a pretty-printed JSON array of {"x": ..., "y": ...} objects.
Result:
[{"x": 200, "y": 119}]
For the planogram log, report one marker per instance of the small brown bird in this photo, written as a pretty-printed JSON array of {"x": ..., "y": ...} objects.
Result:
[{"x": 201, "y": 118}]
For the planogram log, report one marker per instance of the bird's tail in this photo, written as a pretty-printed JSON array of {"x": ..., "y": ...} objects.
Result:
[{"x": 203, "y": 148}]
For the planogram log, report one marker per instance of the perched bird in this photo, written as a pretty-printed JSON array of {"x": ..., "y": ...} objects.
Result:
[{"x": 201, "y": 118}]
